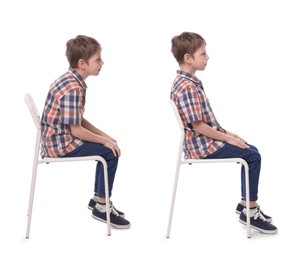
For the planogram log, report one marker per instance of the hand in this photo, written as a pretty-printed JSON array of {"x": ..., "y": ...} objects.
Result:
[
  {"x": 235, "y": 136},
  {"x": 113, "y": 146},
  {"x": 237, "y": 141},
  {"x": 113, "y": 140}
]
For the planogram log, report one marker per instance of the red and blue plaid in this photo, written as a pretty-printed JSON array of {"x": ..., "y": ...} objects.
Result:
[
  {"x": 64, "y": 106},
  {"x": 188, "y": 94}
]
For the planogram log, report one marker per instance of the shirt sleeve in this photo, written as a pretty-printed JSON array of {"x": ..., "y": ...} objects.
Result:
[
  {"x": 72, "y": 105},
  {"x": 189, "y": 102}
]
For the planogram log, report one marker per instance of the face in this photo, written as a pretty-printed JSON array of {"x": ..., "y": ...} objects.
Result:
[
  {"x": 199, "y": 59},
  {"x": 95, "y": 64},
  {"x": 92, "y": 67}
]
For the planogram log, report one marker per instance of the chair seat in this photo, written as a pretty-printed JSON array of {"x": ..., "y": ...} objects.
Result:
[{"x": 69, "y": 159}]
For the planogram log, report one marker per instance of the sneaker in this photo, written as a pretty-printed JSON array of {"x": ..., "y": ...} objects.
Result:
[
  {"x": 92, "y": 204},
  {"x": 240, "y": 208},
  {"x": 116, "y": 220},
  {"x": 258, "y": 222}
]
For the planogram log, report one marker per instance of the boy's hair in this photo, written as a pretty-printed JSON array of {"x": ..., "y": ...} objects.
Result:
[
  {"x": 81, "y": 47},
  {"x": 185, "y": 43}
]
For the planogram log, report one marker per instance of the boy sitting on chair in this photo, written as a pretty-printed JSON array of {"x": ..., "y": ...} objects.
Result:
[
  {"x": 204, "y": 137},
  {"x": 66, "y": 133}
]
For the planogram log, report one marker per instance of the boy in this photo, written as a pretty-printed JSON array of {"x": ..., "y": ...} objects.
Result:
[
  {"x": 66, "y": 133},
  {"x": 204, "y": 137}
]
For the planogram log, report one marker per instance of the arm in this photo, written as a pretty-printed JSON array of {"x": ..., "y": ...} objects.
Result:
[
  {"x": 236, "y": 136},
  {"x": 85, "y": 134},
  {"x": 87, "y": 125},
  {"x": 72, "y": 115},
  {"x": 227, "y": 137}
]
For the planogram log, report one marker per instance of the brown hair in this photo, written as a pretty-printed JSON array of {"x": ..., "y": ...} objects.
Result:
[
  {"x": 81, "y": 47},
  {"x": 185, "y": 43}
]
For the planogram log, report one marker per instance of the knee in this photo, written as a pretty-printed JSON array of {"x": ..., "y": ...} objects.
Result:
[
  {"x": 256, "y": 156},
  {"x": 109, "y": 156},
  {"x": 253, "y": 147},
  {"x": 112, "y": 159}
]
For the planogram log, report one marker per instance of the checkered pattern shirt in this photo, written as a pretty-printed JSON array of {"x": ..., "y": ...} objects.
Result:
[
  {"x": 188, "y": 95},
  {"x": 64, "y": 106}
]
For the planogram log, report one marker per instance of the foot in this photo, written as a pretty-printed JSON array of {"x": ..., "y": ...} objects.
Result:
[
  {"x": 240, "y": 208},
  {"x": 116, "y": 220},
  {"x": 92, "y": 204},
  {"x": 258, "y": 222}
]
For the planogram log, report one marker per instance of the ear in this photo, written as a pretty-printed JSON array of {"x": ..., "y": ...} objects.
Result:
[
  {"x": 81, "y": 63},
  {"x": 187, "y": 58}
]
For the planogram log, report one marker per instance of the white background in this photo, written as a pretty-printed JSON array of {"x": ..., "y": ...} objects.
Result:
[{"x": 255, "y": 79}]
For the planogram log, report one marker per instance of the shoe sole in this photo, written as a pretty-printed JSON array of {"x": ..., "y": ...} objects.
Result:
[
  {"x": 259, "y": 229},
  {"x": 111, "y": 224}
]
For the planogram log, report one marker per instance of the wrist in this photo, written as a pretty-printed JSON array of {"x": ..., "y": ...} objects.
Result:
[{"x": 225, "y": 138}]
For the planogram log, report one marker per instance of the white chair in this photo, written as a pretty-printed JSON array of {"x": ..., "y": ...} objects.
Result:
[
  {"x": 181, "y": 161},
  {"x": 37, "y": 160}
]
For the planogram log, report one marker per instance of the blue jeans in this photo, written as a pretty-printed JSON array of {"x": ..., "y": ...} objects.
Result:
[
  {"x": 252, "y": 157},
  {"x": 87, "y": 149}
]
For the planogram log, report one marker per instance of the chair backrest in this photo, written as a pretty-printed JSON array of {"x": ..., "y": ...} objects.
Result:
[
  {"x": 33, "y": 110},
  {"x": 177, "y": 115}
]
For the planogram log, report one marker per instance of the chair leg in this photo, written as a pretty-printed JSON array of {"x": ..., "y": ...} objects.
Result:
[
  {"x": 245, "y": 165},
  {"x": 31, "y": 197},
  {"x": 173, "y": 198},
  {"x": 107, "y": 196},
  {"x": 33, "y": 180}
]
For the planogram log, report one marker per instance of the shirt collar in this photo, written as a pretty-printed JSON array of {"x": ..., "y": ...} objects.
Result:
[
  {"x": 78, "y": 77},
  {"x": 189, "y": 76}
]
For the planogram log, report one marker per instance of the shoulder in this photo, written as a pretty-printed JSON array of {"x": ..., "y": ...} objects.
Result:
[
  {"x": 183, "y": 85},
  {"x": 65, "y": 85},
  {"x": 67, "y": 80}
]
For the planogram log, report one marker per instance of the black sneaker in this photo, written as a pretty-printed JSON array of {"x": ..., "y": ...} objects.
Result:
[
  {"x": 92, "y": 204},
  {"x": 116, "y": 220},
  {"x": 259, "y": 223},
  {"x": 240, "y": 208}
]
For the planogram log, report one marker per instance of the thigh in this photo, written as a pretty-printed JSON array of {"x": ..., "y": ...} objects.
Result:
[
  {"x": 89, "y": 148},
  {"x": 231, "y": 151}
]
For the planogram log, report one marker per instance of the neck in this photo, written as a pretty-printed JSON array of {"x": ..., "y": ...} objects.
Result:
[
  {"x": 82, "y": 73},
  {"x": 187, "y": 68}
]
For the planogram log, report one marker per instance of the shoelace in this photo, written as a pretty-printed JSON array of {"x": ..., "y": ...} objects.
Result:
[
  {"x": 259, "y": 215},
  {"x": 113, "y": 211}
]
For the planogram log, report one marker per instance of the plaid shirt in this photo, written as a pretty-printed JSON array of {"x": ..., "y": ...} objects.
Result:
[
  {"x": 188, "y": 95},
  {"x": 64, "y": 106}
]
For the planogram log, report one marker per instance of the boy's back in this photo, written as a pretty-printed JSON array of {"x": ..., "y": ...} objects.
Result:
[{"x": 64, "y": 106}]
